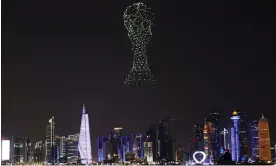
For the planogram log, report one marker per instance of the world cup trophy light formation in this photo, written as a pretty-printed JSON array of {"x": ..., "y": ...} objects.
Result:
[{"x": 138, "y": 20}]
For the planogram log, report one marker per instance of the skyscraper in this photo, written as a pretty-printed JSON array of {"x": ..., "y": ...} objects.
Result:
[
  {"x": 125, "y": 147},
  {"x": 212, "y": 136},
  {"x": 102, "y": 148},
  {"x": 254, "y": 139},
  {"x": 138, "y": 145},
  {"x": 84, "y": 144},
  {"x": 165, "y": 144},
  {"x": 18, "y": 156},
  {"x": 148, "y": 151},
  {"x": 243, "y": 134},
  {"x": 27, "y": 151},
  {"x": 264, "y": 139},
  {"x": 162, "y": 141},
  {"x": 151, "y": 137},
  {"x": 199, "y": 141},
  {"x": 235, "y": 139},
  {"x": 39, "y": 152},
  {"x": 50, "y": 142}
]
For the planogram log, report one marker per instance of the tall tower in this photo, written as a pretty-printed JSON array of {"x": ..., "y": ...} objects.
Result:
[
  {"x": 138, "y": 20},
  {"x": 235, "y": 138},
  {"x": 50, "y": 141},
  {"x": 84, "y": 145},
  {"x": 264, "y": 139},
  {"x": 138, "y": 145},
  {"x": 254, "y": 139}
]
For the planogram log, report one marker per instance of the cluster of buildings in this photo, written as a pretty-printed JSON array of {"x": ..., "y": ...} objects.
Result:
[
  {"x": 54, "y": 149},
  {"x": 246, "y": 140},
  {"x": 157, "y": 145}
]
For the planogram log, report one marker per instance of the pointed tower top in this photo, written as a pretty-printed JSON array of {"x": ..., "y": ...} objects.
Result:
[
  {"x": 234, "y": 112},
  {"x": 83, "y": 109},
  {"x": 263, "y": 118}
]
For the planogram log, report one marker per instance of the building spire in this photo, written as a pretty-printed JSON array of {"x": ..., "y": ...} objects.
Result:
[
  {"x": 263, "y": 115},
  {"x": 83, "y": 109}
]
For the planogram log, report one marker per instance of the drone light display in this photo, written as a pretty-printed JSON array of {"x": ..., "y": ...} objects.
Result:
[{"x": 138, "y": 20}]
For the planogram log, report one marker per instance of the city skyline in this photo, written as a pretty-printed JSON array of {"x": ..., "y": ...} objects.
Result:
[{"x": 207, "y": 57}]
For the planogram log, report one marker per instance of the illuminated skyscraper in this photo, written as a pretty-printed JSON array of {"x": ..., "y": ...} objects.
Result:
[
  {"x": 18, "y": 152},
  {"x": 84, "y": 144},
  {"x": 39, "y": 152},
  {"x": 151, "y": 137},
  {"x": 264, "y": 139},
  {"x": 244, "y": 136},
  {"x": 138, "y": 145},
  {"x": 50, "y": 142},
  {"x": 211, "y": 136},
  {"x": 235, "y": 139},
  {"x": 199, "y": 142},
  {"x": 148, "y": 151},
  {"x": 27, "y": 151},
  {"x": 102, "y": 148},
  {"x": 125, "y": 147},
  {"x": 254, "y": 139}
]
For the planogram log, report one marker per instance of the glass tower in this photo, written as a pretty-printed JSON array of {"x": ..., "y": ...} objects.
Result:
[
  {"x": 84, "y": 144},
  {"x": 254, "y": 139},
  {"x": 235, "y": 138}
]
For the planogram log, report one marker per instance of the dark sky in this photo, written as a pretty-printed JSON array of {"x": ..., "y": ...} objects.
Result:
[{"x": 206, "y": 55}]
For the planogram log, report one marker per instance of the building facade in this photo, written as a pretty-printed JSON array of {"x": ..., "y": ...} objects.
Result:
[
  {"x": 18, "y": 152},
  {"x": 50, "y": 149},
  {"x": 39, "y": 152},
  {"x": 102, "y": 148},
  {"x": 84, "y": 143},
  {"x": 235, "y": 137},
  {"x": 254, "y": 139},
  {"x": 138, "y": 145},
  {"x": 148, "y": 151},
  {"x": 264, "y": 140}
]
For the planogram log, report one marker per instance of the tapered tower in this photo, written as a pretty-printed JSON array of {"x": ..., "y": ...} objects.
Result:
[
  {"x": 84, "y": 145},
  {"x": 264, "y": 140}
]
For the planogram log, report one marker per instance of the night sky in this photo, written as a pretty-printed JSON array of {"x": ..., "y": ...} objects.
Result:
[{"x": 207, "y": 56}]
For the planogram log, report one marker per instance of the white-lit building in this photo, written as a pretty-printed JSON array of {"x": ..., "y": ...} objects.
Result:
[
  {"x": 5, "y": 150},
  {"x": 84, "y": 144}
]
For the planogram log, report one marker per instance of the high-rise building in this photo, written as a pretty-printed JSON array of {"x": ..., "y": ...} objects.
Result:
[
  {"x": 211, "y": 136},
  {"x": 151, "y": 137},
  {"x": 264, "y": 140},
  {"x": 165, "y": 150},
  {"x": 199, "y": 141},
  {"x": 138, "y": 145},
  {"x": 18, "y": 156},
  {"x": 125, "y": 147},
  {"x": 50, "y": 142},
  {"x": 61, "y": 149},
  {"x": 254, "y": 139},
  {"x": 5, "y": 150},
  {"x": 148, "y": 151},
  {"x": 39, "y": 152},
  {"x": 102, "y": 148},
  {"x": 84, "y": 144},
  {"x": 244, "y": 136},
  {"x": 72, "y": 151},
  {"x": 235, "y": 138},
  {"x": 27, "y": 151}
]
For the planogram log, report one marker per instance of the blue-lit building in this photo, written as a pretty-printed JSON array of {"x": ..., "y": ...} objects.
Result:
[
  {"x": 125, "y": 147},
  {"x": 138, "y": 145},
  {"x": 254, "y": 139},
  {"x": 102, "y": 148},
  {"x": 235, "y": 138}
]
